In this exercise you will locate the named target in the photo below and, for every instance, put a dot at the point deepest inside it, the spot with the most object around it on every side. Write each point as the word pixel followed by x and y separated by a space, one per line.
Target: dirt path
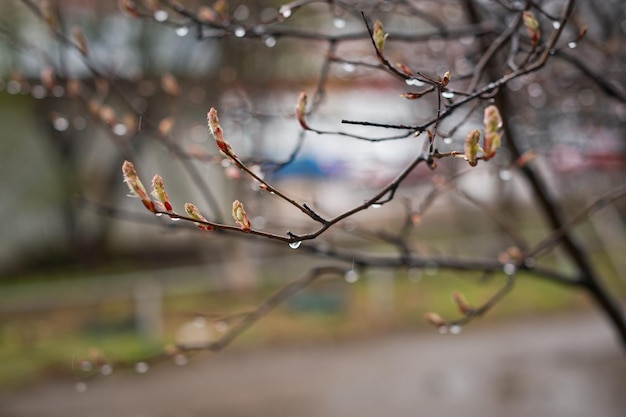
pixel 562 366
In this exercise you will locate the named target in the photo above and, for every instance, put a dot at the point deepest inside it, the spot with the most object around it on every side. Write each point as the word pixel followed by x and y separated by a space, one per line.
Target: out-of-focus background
pixel 86 273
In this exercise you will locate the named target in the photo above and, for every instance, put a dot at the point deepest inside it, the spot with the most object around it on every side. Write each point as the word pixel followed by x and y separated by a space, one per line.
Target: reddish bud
pixel 218 134
pixel 472 147
pixel 165 126
pixel 464 307
pixel 532 27
pixel 404 69
pixel 411 96
pixel 47 77
pixel 301 110
pixel 207 14
pixel 128 7
pixel 221 7
pixel 136 187
pixel 446 79
pixel 193 212
pixel 240 216
pixel 107 114
pixel 158 192
pixel 131 122
pixel 526 158
pixel 492 122
pixel 435 319
pixel 74 87
pixel 96 355
pixel 582 32
pixel 170 85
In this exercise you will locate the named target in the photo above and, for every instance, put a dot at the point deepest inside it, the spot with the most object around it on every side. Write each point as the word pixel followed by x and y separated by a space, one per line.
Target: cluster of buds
pixel 218 133
pixel 492 122
pixel 532 27
pixel 240 216
pixel 193 212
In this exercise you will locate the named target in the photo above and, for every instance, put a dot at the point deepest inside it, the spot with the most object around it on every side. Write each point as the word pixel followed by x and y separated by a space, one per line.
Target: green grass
pixel 51 343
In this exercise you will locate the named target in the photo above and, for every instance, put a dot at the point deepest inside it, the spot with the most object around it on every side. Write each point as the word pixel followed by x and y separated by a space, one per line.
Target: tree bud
pixel 492 122
pixel 472 147
pixel 532 26
pixel 218 134
pixel 158 192
pixel 411 96
pixel 462 304
pixel 379 36
pixel 435 319
pixel 136 187
pixel 193 212
pixel 240 216
pixel 301 110
pixel 81 40
pixel 446 79
pixel 170 85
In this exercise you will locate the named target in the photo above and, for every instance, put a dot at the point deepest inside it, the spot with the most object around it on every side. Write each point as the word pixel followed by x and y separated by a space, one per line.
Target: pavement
pixel 565 365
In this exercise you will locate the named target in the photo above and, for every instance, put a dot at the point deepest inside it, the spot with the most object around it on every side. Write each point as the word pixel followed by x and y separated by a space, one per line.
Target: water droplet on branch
pixel 351 276
pixel 106 369
pixel 339 22
pixel 455 329
pixel 160 15
pixel 142 367
pixel 447 94
pixel 60 123
pixel 269 41
pixel 505 175
pixel 348 67
pixel 80 387
pixel 509 269
pixel 285 12
pixel 414 82
pixel 182 31
pixel 119 129
pixel 180 360
pixel 295 245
